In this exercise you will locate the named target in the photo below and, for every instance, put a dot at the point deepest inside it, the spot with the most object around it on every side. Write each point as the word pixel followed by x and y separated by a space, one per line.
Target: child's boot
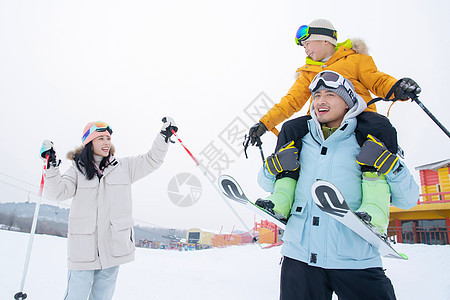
pixel 376 199
pixel 280 202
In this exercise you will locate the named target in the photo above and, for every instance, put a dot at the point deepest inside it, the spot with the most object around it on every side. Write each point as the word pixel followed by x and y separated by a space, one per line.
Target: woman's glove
pixel 47 149
pixel 285 159
pixel 374 153
pixel 168 126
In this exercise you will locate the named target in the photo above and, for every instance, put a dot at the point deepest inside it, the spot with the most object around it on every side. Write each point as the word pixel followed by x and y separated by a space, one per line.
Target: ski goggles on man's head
pixel 304 32
pixel 332 80
pixel 99 127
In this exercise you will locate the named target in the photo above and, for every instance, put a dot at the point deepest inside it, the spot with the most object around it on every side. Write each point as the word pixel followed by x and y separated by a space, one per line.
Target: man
pixel 322 256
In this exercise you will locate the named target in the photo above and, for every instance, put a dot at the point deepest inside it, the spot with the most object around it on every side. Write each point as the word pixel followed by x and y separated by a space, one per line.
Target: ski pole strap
pixel 414 98
pixel 388 95
pixel 245 144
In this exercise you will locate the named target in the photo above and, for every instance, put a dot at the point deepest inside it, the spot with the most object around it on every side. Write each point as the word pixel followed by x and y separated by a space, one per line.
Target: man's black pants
pixel 301 281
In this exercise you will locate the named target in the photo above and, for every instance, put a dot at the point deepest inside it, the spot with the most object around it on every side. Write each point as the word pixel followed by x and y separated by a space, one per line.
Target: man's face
pixel 330 109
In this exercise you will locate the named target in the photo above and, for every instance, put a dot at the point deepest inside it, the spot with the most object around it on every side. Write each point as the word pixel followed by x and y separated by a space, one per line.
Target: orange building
pixel 224 240
pixel 429 221
pixel 268 232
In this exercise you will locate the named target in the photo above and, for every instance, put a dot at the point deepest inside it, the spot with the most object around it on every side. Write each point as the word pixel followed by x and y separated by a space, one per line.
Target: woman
pixel 100 235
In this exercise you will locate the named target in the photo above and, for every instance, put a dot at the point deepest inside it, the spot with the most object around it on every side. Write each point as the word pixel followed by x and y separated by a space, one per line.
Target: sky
pixel 219 273
pixel 207 64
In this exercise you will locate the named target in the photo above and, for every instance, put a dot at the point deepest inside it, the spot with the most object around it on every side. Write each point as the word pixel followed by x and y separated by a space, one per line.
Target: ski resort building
pixel 429 221
pixel 199 237
pixel 267 232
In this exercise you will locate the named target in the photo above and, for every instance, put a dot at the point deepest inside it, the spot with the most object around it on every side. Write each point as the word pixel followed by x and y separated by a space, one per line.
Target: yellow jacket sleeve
pixel 294 101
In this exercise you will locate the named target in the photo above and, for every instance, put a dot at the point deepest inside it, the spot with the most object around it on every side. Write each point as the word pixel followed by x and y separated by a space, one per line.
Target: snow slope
pixel 239 272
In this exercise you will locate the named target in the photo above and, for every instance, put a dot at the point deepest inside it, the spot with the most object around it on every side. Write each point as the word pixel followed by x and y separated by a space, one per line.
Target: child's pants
pixel 95 284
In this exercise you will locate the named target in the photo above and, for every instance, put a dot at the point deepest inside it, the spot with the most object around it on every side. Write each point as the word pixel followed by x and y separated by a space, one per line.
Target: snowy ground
pixel 239 272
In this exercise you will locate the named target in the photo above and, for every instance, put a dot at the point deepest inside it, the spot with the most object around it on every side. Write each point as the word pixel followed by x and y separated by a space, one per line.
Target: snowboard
pixel 232 190
pixel 330 200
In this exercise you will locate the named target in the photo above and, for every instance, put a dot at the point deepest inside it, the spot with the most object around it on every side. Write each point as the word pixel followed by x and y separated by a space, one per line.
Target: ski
pixel 330 200
pixel 233 191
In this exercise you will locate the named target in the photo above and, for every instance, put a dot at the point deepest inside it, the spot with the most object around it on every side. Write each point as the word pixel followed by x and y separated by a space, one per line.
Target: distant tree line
pixel 53 220
pixel 23 224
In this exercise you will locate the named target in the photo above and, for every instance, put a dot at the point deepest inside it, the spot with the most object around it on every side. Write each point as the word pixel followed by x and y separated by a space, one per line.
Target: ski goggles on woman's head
pixel 304 32
pixel 332 80
pixel 99 127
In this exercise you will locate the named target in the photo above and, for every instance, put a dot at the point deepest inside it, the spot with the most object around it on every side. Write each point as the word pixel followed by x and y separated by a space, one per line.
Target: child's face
pixel 101 145
pixel 317 50
pixel 329 108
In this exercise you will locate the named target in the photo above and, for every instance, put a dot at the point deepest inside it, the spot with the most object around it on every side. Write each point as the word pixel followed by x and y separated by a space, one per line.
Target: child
pixel 350 59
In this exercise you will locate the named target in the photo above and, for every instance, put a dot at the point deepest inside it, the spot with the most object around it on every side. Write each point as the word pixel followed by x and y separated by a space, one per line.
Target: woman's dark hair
pixel 86 160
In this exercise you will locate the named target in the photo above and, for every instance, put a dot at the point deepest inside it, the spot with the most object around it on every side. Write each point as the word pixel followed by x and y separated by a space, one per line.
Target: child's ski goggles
pixel 99 127
pixel 331 80
pixel 304 32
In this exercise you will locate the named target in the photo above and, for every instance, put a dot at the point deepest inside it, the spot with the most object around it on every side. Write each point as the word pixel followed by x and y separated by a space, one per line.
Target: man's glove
pixel 47 149
pixel 285 159
pixel 256 131
pixel 374 153
pixel 168 126
pixel 406 89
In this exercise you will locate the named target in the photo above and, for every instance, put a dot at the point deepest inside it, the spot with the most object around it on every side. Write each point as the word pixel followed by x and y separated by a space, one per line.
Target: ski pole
pixel 416 99
pixel 21 295
pixel 258 144
pixel 211 180
pixel 413 98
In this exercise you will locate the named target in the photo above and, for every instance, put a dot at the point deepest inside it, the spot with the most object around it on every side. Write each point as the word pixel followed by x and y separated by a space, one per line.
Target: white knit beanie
pixel 322 23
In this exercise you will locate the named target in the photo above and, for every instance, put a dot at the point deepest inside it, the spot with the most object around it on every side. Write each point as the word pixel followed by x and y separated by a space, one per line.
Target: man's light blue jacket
pixel 327 243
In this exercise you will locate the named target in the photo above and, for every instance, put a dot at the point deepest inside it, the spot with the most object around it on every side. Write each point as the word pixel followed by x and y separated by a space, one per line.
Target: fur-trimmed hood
pixel 358 45
pixel 77 151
